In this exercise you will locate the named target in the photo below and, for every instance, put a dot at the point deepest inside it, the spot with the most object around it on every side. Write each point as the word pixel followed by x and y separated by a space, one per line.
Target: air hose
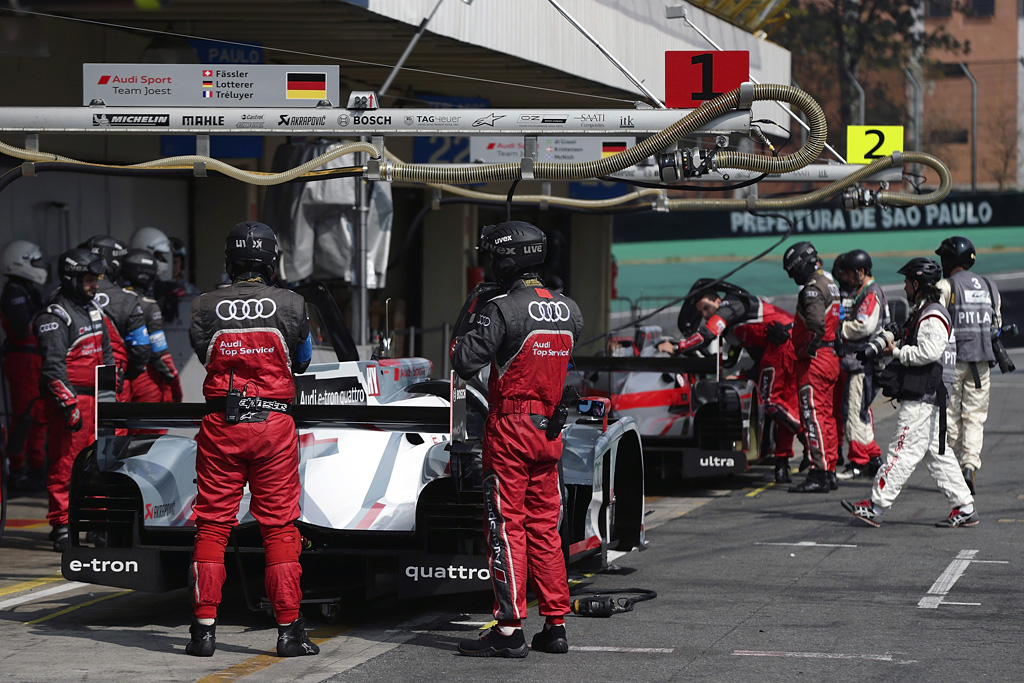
pixel 603 604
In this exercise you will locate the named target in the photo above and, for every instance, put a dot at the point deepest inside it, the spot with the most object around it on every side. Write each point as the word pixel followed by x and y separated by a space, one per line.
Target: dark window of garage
pixel 983 8
pixel 941 8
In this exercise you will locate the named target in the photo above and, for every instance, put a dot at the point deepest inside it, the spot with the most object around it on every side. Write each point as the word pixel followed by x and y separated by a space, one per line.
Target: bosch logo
pixel 102 298
pixel 246 309
pixel 49 327
pixel 549 311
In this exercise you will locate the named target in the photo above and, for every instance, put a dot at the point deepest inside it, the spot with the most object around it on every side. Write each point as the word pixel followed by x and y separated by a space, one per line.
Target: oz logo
pixel 246 309
pixel 549 311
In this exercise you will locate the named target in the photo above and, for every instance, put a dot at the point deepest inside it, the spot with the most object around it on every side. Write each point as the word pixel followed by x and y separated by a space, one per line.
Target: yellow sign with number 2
pixel 864 144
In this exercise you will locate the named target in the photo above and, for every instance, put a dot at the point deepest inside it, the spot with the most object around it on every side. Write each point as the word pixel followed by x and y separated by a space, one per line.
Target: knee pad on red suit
pixel 211 540
pixel 282 544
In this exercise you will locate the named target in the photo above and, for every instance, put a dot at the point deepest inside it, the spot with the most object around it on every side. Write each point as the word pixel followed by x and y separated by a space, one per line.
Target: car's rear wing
pixel 670 364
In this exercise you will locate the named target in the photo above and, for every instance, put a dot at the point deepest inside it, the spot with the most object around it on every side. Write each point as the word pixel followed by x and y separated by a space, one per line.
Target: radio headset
pixel 232 402
pixel 603 604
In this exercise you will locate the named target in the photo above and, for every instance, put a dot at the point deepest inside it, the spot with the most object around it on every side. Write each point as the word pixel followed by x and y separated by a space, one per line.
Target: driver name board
pixel 210 85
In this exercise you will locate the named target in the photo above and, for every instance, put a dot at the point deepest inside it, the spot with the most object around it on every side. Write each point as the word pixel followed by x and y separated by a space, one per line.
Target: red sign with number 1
pixel 691 78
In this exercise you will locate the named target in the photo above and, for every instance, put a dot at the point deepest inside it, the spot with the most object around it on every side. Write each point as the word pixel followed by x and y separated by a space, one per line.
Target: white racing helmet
pixel 21 258
pixel 155 241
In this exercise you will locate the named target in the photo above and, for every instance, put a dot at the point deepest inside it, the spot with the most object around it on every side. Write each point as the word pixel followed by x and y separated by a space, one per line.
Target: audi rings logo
pixel 246 309
pixel 101 298
pixel 48 327
pixel 549 311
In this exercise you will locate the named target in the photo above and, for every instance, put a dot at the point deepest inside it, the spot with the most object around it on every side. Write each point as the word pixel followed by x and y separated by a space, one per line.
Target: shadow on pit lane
pixel 706 487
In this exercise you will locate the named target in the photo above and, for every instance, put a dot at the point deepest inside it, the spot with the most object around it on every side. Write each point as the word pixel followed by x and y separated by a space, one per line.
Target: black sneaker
pixel 816 482
pixel 551 639
pixel 833 483
pixel 61 539
pixel 293 641
pixel 494 644
pixel 969 478
pixel 204 640
pixel 957 518
pixel 782 471
pixel 864 511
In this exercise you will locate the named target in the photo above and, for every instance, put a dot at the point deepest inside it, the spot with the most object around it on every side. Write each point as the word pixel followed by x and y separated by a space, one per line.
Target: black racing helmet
pixel 139 269
pixel 924 270
pixel 955 251
pixel 800 261
pixel 514 247
pixel 250 248
pixel 858 259
pixel 839 265
pixel 111 249
pixel 73 266
pixel 690 319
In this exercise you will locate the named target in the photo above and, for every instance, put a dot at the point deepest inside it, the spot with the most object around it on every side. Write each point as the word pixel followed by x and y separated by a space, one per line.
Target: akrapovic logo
pixel 448 573
pixel 288 120
pixel 128 120
pixel 98 565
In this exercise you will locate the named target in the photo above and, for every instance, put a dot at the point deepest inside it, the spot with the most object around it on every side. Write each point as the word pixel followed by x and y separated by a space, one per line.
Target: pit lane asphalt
pixel 754 584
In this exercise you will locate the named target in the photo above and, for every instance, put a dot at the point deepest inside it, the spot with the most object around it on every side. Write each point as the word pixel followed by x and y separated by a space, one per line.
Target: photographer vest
pixel 948 360
pixel 972 304
pixel 864 297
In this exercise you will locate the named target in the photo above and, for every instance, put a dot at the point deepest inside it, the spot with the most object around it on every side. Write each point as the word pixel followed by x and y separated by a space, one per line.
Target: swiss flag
pixel 207 72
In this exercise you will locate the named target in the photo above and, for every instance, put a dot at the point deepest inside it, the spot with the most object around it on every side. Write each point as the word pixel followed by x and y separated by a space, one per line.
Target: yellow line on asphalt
pixel 29 585
pixel 1011 520
pixel 265 661
pixel 74 607
pixel 757 491
pixel 533 603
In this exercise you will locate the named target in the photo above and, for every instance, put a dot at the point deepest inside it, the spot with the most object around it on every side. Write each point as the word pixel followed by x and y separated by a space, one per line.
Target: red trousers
pixel 816 382
pixel 62 448
pixel 266 456
pixel 146 388
pixel 523 502
pixel 28 410
pixel 777 387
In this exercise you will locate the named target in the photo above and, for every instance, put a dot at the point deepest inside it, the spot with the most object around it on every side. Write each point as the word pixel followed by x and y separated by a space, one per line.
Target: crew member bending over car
pixel 252 337
pixel 817 367
pixel 762 329
pixel 922 373
pixel 527 333
pixel 73 339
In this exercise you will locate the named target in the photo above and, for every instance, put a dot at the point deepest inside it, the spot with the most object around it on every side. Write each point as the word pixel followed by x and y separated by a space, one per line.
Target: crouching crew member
pixel 252 337
pixel 921 372
pixel 817 367
pixel 73 339
pixel 764 330
pixel 526 332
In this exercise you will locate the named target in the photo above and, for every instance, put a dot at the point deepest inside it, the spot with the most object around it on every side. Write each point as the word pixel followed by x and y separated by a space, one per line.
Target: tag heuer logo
pixel 131 120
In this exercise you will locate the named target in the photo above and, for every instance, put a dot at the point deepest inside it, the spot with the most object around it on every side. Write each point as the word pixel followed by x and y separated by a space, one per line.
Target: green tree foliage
pixel 834 41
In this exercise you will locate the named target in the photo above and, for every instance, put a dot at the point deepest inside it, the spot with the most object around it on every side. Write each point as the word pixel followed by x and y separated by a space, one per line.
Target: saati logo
pixel 131 120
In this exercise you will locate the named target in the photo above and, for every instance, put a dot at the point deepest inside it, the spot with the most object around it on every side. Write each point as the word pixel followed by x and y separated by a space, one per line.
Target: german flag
pixel 610 148
pixel 307 86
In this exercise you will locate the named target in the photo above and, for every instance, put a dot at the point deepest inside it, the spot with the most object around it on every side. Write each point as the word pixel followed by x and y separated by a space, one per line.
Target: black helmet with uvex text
pixel 250 251
pixel 514 247
pixel 111 249
pixel 74 265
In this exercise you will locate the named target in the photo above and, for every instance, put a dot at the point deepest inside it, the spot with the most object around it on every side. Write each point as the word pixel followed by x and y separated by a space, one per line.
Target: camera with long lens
pixel 875 346
pixel 1003 359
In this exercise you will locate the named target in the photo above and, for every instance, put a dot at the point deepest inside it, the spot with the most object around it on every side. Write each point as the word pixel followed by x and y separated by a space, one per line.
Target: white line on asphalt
pixel 811 544
pixel 642 650
pixel 13 602
pixel 950 576
pixel 471 623
pixel 821 655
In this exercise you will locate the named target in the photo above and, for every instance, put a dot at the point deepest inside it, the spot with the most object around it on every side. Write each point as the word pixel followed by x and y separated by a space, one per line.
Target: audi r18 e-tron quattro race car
pixel 390 470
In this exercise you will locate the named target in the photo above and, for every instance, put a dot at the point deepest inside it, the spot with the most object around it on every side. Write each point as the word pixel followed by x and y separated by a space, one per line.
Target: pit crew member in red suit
pixel 73 339
pixel 160 381
pixel 526 333
pixel 252 337
pixel 817 367
pixel 763 329
pixel 864 321
pixel 19 304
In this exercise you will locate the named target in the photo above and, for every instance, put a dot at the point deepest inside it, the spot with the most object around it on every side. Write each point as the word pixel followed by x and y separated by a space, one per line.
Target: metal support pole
pixel 360 300
pixel 408 50
pixel 974 127
pixel 860 95
pixel 915 112
pixel 680 13
pixel 625 72
pixel 446 335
